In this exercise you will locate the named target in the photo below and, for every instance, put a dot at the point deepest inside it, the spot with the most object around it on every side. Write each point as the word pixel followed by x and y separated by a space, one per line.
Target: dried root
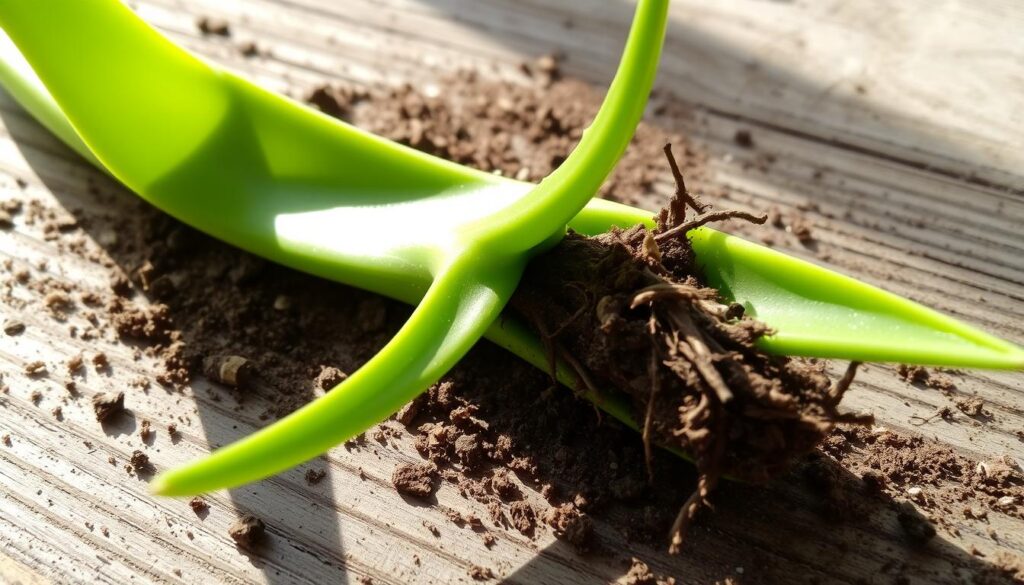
pixel 649 328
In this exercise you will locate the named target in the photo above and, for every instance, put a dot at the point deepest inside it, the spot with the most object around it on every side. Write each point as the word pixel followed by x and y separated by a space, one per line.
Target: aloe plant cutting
pixel 294 186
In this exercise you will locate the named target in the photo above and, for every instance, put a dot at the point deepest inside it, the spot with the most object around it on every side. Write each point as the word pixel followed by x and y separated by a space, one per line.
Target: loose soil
pixel 629 312
pixel 107 404
pixel 416 480
pixel 247 532
pixel 496 429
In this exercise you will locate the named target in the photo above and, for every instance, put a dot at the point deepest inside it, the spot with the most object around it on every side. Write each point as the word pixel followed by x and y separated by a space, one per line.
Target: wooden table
pixel 905 116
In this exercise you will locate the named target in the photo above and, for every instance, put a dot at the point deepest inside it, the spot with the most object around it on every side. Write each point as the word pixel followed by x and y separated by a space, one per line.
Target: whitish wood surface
pixel 911 111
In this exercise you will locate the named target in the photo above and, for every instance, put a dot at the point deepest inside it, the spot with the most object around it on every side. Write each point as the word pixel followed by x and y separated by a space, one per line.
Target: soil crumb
pixel 743 138
pixel 140 463
pixel 329 377
pixel 209 25
pixel 35 368
pixel 641 574
pixel 478 573
pixel 524 519
pixel 100 362
pixel 921 376
pixel 315 476
pixel 146 431
pixel 14 327
pixel 199 506
pixel 107 404
pixel 247 532
pixel 572 526
pixel 938 479
pixel 415 479
pixel 627 311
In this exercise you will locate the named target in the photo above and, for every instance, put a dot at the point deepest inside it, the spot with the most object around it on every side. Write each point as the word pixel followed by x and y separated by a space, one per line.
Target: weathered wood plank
pixel 919 191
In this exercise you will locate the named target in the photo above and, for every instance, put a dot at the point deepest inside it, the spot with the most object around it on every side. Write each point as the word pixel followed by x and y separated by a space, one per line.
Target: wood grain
pixel 901 120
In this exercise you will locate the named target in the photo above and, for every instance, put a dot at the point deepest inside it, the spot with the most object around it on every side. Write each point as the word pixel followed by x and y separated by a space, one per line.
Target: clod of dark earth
pixel 199 506
pixel 329 377
pixel 315 476
pixel 140 463
pixel 107 404
pixel 209 25
pixel 415 479
pixel 35 368
pixel 14 327
pixel 247 532
pixel 628 311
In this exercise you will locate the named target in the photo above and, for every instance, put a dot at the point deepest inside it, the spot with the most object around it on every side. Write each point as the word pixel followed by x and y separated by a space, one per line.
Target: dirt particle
pixel 209 25
pixel 504 486
pixel 469 450
pixel 57 301
pixel 249 49
pixel 641 574
pixel 913 374
pixel 282 303
pixel 75 364
pixel 199 506
pixel 524 519
pixel 315 476
pixel 972 406
pixel 247 532
pixel 743 138
pixel 478 573
pixel 800 227
pixel 1006 502
pixel 146 431
pixel 101 362
pixel 408 413
pixel 921 376
pixel 14 327
pixel 230 370
pixel 416 480
pixel 462 520
pixel 329 377
pixel 120 284
pixel 139 462
pixel 35 368
pixel 107 404
pixel 548 64
pixel 572 526
pixel 334 100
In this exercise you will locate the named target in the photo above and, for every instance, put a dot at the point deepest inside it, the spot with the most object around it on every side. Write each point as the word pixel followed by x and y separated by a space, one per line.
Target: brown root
pixel 689 361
